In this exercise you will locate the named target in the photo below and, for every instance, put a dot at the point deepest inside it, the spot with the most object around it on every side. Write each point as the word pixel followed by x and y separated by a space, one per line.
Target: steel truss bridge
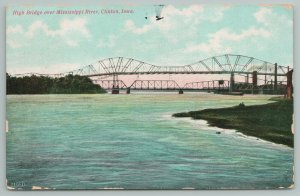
pixel 262 73
pixel 165 85
pixel 224 64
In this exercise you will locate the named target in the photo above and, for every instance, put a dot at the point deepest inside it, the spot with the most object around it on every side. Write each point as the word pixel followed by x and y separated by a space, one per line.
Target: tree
pixel 69 84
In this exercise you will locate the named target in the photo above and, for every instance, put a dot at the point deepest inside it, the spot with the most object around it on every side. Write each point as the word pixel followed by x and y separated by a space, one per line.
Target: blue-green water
pixel 132 142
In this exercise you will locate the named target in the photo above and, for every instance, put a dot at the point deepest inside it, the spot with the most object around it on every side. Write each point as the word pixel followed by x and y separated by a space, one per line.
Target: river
pixel 132 142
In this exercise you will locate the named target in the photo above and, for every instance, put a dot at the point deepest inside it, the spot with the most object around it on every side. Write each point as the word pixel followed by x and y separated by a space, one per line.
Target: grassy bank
pixel 271 122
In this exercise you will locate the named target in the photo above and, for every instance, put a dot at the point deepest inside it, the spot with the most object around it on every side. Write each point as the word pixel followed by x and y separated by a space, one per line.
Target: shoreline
pixel 229 132
pixel 269 122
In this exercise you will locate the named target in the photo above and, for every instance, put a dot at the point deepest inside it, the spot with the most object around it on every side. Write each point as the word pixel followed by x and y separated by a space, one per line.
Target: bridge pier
pixel 128 91
pixel 180 91
pixel 265 79
pixel 254 78
pixel 115 91
pixel 289 87
pixel 231 87
pixel 254 81
pixel 115 88
pixel 275 80
pixel 247 78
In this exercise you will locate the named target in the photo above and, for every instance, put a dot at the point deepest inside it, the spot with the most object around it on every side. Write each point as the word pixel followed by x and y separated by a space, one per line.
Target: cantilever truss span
pixel 224 64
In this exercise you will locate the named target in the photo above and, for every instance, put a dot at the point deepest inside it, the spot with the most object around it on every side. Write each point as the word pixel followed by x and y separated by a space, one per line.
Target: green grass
pixel 271 122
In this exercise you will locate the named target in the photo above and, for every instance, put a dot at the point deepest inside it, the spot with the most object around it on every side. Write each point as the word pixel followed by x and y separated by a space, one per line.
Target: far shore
pixel 271 122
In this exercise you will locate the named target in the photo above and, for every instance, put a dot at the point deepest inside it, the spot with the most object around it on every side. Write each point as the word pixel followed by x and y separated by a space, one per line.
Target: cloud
pixel 71 42
pixel 71 31
pixel 66 26
pixel 78 25
pixel 110 42
pixel 218 15
pixel 216 39
pixel 176 18
pixel 268 18
pixel 261 15
pixel 185 12
pixel 14 29
pixel 281 26
pixel 170 35
pixel 34 27
pixel 56 68
pixel 130 26
pixel 14 43
pixel 12 33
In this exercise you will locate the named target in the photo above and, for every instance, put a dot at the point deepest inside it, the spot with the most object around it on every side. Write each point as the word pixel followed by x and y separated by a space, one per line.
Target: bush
pixel 241 105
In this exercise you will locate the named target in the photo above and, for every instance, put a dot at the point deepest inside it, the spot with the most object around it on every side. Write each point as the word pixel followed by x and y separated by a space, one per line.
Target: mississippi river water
pixel 132 142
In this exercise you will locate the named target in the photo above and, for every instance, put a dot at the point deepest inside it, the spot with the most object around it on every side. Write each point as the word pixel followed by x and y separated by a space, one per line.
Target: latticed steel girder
pixel 162 85
pixel 109 84
pixel 224 64
pixel 212 84
pixel 154 85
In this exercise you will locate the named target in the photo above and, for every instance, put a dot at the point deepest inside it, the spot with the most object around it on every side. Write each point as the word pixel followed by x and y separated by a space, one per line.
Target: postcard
pixel 149 97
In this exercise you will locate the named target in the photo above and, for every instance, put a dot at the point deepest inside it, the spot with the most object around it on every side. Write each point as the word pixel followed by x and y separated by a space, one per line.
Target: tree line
pixel 70 84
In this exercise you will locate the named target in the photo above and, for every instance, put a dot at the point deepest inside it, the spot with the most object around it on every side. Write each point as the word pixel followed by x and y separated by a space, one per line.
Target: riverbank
pixel 271 122
pixel 69 84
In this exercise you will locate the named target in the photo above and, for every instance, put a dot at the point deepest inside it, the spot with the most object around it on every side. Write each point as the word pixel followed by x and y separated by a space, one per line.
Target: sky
pixel 55 43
